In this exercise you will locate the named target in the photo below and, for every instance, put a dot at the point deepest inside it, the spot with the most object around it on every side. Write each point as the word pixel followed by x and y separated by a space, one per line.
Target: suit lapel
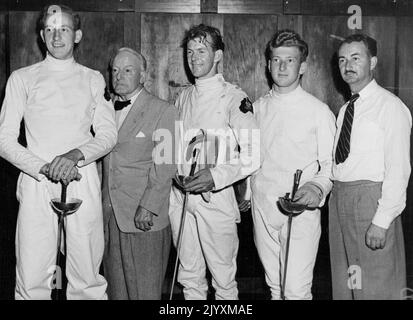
pixel 135 118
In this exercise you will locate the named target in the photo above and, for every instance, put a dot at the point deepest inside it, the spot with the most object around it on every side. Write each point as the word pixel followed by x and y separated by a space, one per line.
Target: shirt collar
pixel 58 64
pixel 210 83
pixel 293 93
pixel 369 89
pixel 133 98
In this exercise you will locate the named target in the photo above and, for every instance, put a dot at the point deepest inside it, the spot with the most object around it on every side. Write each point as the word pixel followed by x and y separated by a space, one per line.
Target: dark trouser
pixel 135 263
pixel 357 271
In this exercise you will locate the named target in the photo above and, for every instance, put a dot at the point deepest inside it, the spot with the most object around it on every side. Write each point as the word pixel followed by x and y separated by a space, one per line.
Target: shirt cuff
pixel 382 220
pixel 84 161
pixel 37 175
pixel 215 175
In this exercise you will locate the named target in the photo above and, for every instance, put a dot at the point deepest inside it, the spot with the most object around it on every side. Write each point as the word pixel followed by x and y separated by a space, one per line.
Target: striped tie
pixel 343 145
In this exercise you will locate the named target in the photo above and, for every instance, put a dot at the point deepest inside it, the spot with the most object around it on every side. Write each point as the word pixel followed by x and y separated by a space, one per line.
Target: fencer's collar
pixel 293 93
pixel 58 64
pixel 213 82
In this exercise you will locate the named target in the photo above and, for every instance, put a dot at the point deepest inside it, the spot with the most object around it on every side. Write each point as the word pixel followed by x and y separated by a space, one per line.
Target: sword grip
pixel 64 192
pixel 297 177
pixel 194 162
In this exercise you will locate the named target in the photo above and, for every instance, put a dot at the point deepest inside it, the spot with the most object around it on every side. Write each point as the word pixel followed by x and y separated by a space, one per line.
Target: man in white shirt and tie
pixel 370 172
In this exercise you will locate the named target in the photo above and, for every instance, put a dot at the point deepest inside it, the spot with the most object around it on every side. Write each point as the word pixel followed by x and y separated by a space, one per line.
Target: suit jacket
pixel 132 175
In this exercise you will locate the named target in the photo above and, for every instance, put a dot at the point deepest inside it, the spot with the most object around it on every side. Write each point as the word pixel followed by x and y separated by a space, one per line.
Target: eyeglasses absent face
pixel 286 67
pixel 59 35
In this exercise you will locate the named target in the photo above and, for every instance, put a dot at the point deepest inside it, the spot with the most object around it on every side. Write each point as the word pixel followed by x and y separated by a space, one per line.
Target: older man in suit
pixel 137 178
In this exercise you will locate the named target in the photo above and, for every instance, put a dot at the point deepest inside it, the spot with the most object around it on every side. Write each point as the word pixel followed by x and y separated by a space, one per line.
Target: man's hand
pixel 143 219
pixel 376 237
pixel 201 181
pixel 244 205
pixel 45 169
pixel 309 195
pixel 61 166
pixel 73 175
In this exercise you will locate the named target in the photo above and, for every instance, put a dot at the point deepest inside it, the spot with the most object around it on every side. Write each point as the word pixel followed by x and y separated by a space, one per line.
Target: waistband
pixel 357 183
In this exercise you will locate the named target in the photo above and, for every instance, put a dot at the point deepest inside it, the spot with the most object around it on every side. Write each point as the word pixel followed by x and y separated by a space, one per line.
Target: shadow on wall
pixel 340 85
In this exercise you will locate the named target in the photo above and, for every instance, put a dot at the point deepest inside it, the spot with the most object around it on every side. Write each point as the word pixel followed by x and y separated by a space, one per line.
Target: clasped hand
pixel 308 195
pixel 200 182
pixel 63 167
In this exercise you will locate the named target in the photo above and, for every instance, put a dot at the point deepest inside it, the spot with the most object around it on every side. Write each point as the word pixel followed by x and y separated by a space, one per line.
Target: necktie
pixel 343 145
pixel 119 105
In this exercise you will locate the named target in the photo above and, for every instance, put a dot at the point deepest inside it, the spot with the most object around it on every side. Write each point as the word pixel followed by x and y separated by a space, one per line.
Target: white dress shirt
pixel 121 114
pixel 379 148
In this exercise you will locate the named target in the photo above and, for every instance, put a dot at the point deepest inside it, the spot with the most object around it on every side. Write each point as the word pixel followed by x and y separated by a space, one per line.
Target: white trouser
pixel 209 239
pixel 271 246
pixel 36 239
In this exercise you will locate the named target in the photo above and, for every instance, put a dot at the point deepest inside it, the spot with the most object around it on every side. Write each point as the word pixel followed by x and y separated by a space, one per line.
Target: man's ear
pixel 78 36
pixel 142 78
pixel 218 55
pixel 303 67
pixel 42 35
pixel 373 63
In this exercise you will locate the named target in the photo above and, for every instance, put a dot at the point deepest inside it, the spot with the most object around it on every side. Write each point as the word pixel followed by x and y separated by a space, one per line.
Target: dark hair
pixel 369 42
pixel 48 10
pixel 287 38
pixel 201 32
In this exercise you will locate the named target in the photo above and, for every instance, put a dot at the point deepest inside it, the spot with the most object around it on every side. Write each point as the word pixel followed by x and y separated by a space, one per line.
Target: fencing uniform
pixel 297 132
pixel 59 100
pixel 370 187
pixel 210 232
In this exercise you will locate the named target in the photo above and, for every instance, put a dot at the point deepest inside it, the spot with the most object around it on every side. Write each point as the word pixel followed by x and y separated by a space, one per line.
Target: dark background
pixel 156 29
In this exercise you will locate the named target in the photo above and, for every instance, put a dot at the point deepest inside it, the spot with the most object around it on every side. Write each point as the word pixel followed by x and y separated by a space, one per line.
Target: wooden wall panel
pixel 292 22
pixel 171 6
pixel 78 5
pixel 340 7
pixel 405 60
pixel 132 30
pixel 103 34
pixel 245 38
pixel 8 179
pixel 322 78
pixel 405 88
pixel 323 37
pixel 24 47
pixel 3 53
pixel 161 39
pixel 383 29
pixel 250 6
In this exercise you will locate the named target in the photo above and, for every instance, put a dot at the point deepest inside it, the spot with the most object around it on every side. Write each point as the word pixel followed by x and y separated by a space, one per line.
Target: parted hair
pixel 201 32
pixel 287 38
pixel 368 41
pixel 52 9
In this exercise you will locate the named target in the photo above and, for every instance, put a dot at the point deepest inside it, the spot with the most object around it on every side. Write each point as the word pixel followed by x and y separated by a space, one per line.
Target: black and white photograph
pixel 224 151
